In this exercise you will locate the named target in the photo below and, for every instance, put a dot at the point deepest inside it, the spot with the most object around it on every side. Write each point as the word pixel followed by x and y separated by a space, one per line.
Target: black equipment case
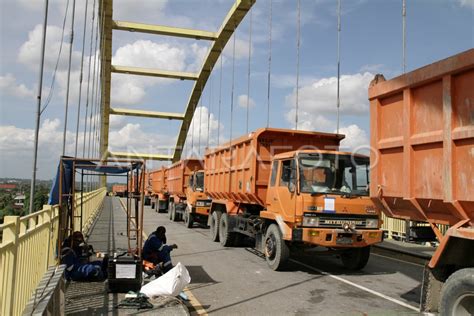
pixel 124 274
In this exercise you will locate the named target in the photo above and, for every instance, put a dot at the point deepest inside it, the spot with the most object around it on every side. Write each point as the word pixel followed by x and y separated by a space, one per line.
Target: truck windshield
pixel 335 174
pixel 199 181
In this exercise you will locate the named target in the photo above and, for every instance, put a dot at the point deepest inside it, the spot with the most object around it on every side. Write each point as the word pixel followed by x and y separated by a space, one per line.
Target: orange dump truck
pixel 159 190
pixel 292 189
pixel 119 189
pixel 422 140
pixel 133 187
pixel 187 199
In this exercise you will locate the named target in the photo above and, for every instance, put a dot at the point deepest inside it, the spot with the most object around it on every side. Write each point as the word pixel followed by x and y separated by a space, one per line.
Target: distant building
pixel 19 201
pixel 7 186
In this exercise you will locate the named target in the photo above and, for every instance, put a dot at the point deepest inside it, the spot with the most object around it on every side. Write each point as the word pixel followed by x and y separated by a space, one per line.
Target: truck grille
pixel 338 220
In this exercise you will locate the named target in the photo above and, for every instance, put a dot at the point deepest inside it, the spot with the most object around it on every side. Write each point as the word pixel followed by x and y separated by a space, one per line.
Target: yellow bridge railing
pixel 396 228
pixel 28 248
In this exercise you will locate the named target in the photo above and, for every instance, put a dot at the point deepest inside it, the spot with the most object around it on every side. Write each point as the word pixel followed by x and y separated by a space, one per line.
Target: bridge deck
pixel 108 235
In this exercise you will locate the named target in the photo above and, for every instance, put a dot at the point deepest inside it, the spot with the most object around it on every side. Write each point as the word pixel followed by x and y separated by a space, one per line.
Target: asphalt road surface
pixel 231 281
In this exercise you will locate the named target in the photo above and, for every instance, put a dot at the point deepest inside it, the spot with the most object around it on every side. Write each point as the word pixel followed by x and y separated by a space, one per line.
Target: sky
pixel 371 43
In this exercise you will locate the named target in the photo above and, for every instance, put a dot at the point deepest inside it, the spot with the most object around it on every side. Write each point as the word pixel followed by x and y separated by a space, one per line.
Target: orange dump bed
pixel 158 180
pixel 422 136
pixel 179 173
pixel 239 171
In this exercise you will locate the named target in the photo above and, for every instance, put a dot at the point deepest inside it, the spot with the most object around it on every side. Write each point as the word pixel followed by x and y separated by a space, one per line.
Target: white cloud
pixel 243 98
pixel 356 138
pixel 320 96
pixel 466 3
pixel 145 53
pixel 116 122
pixel 8 85
pixel 132 138
pixel 29 53
pixel 241 48
pixel 199 126
pixel 16 146
pixel 130 90
pixel 310 121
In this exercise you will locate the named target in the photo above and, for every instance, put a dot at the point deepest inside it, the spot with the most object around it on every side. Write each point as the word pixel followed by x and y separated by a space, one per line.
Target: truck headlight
pixel 310 221
pixel 372 223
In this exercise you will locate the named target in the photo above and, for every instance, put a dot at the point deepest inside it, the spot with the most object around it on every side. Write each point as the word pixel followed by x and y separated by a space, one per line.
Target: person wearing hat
pixel 157 251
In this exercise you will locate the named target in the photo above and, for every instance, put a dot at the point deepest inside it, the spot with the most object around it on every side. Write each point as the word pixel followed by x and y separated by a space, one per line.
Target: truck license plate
pixel 344 240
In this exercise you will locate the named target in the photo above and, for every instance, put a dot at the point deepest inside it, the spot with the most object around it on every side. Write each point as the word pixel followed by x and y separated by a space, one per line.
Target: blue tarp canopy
pixel 84 165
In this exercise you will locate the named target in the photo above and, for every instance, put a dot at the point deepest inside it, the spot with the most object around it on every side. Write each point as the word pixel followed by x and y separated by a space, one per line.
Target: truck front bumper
pixel 337 238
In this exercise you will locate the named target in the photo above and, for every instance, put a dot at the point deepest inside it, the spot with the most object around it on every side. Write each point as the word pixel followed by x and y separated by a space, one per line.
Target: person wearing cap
pixel 157 251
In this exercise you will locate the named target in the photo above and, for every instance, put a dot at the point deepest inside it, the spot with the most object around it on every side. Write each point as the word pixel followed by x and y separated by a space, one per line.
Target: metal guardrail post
pixel 10 235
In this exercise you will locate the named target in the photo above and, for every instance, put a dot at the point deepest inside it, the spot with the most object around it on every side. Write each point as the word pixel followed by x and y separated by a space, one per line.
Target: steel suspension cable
pixel 88 81
pixel 100 85
pixel 69 74
pixel 248 73
pixel 298 35
pixel 269 60
pixel 209 110
pixel 404 18
pixel 53 80
pixel 200 121
pixel 90 150
pixel 80 77
pixel 38 109
pixel 220 103
pixel 232 88
pixel 338 62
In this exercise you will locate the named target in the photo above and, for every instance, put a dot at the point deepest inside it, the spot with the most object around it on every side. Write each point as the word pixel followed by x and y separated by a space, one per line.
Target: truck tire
pixel 356 258
pixel 174 215
pixel 276 249
pixel 188 218
pixel 226 238
pixel 214 225
pixel 457 294
pixel 170 213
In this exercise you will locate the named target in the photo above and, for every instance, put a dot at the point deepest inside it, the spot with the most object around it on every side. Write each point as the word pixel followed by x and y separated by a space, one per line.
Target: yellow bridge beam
pixel 235 15
pixel 149 114
pixel 154 73
pixel 140 156
pixel 163 30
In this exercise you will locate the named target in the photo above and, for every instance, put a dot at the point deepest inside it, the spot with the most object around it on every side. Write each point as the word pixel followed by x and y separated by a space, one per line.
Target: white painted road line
pixel 395 259
pixel 363 288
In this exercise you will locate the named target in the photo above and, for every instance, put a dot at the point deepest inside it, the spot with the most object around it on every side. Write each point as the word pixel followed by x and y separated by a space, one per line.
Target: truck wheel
pixel 356 258
pixel 174 215
pixel 188 218
pixel 170 213
pixel 276 249
pixel 214 225
pixel 457 295
pixel 226 238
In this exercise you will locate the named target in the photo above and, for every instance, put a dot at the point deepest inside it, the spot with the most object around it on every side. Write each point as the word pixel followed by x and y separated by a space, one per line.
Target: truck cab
pixel 198 203
pixel 321 198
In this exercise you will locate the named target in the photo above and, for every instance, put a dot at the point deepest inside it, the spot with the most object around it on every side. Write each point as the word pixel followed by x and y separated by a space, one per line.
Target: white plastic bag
pixel 171 283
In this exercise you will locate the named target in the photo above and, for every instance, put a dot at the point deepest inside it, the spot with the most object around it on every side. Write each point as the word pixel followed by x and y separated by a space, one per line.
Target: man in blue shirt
pixel 156 251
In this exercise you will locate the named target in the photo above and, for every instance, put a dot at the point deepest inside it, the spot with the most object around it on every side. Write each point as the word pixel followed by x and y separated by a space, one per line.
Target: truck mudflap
pixel 337 238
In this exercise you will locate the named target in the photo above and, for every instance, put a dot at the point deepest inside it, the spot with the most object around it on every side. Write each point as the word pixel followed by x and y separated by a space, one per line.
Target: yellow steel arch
pixel 220 39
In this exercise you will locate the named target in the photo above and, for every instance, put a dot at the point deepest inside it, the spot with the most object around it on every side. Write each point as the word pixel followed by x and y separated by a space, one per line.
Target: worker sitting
pixel 77 243
pixel 156 251
pixel 79 271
